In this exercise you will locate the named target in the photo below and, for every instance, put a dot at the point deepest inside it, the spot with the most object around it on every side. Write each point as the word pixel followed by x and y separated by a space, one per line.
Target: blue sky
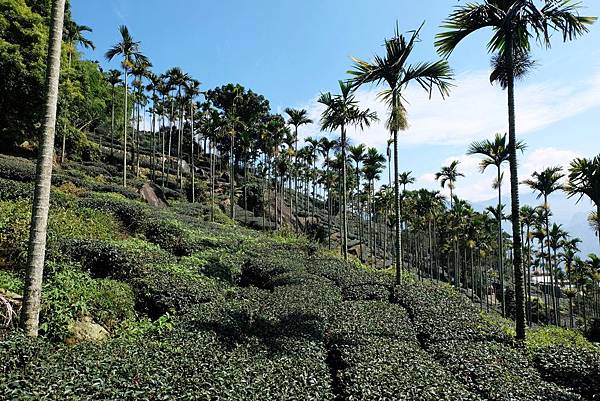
pixel 290 51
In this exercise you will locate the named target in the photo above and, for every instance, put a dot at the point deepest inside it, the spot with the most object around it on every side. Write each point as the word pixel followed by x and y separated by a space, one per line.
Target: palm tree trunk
pixel 398 242
pixel 514 183
pixel 41 198
pixel 212 181
pixel 501 245
pixel 344 198
pixel 528 272
pixel 550 265
pixel 125 132
pixel 137 141
pixel 153 160
pixel 192 162
pixel 180 148
pixel 232 180
pixel 112 124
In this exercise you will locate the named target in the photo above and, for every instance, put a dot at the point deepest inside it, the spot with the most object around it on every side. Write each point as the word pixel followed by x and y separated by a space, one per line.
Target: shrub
pixel 11 281
pixel 573 367
pixel 132 215
pixel 359 319
pixel 14 232
pixel 169 289
pixel 169 234
pixel 497 372
pixel 16 168
pixel 114 259
pixel 15 190
pixel 385 369
pixel 440 313
pixel 217 263
pixel 260 269
pixel 70 294
pixel 15 218
pixel 356 284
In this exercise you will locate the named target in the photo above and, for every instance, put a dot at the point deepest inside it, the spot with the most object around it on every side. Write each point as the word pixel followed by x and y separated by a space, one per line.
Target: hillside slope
pixel 197 310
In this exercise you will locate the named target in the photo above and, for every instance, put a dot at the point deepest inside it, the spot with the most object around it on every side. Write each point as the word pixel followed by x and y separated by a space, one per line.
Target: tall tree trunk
pixel 550 264
pixel 112 123
pixel 193 163
pixel 344 198
pixel 153 161
pixel 41 197
pixel 398 242
pixel 232 180
pixel 125 131
pixel 137 140
pixel 501 245
pixel 212 182
pixel 514 183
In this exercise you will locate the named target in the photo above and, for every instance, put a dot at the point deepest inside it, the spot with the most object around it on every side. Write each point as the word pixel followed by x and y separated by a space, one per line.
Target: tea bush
pixel 167 289
pixel 440 313
pixel 571 367
pixel 386 369
pixel 16 168
pixel 70 294
pixel 15 190
pixel 497 372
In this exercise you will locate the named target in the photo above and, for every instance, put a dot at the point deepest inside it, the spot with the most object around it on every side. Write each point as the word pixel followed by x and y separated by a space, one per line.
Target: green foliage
pixel 15 190
pixel 70 294
pixel 496 371
pixel 23 42
pixel 132 215
pixel 11 281
pixel 542 337
pixel 16 168
pixel 63 224
pixel 121 260
pixel 572 367
pixel 171 288
pixel 446 315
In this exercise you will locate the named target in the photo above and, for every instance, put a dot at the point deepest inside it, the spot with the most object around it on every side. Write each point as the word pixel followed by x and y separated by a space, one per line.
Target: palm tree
pixel 178 80
pixel 41 198
pixel 495 153
pixel 342 111
pixel 372 168
pixel 73 35
pixel 405 179
pixel 514 24
pixel 357 155
pixel 326 146
pixel 139 70
pixel 545 183
pixel 584 179
pixel 153 86
pixel 113 78
pixel 449 175
pixel 528 219
pixel 130 51
pixel 192 89
pixel 394 70
pixel 297 118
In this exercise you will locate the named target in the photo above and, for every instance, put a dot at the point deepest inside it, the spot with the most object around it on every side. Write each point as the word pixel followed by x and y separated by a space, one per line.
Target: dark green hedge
pixel 497 372
pixel 578 369
pixel 440 313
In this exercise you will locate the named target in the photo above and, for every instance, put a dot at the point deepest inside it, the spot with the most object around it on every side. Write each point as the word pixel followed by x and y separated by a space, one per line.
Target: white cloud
pixel 477 187
pixel 474 110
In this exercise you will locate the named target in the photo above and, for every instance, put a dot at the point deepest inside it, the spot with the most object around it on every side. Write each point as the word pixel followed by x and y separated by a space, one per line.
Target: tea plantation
pixel 214 311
